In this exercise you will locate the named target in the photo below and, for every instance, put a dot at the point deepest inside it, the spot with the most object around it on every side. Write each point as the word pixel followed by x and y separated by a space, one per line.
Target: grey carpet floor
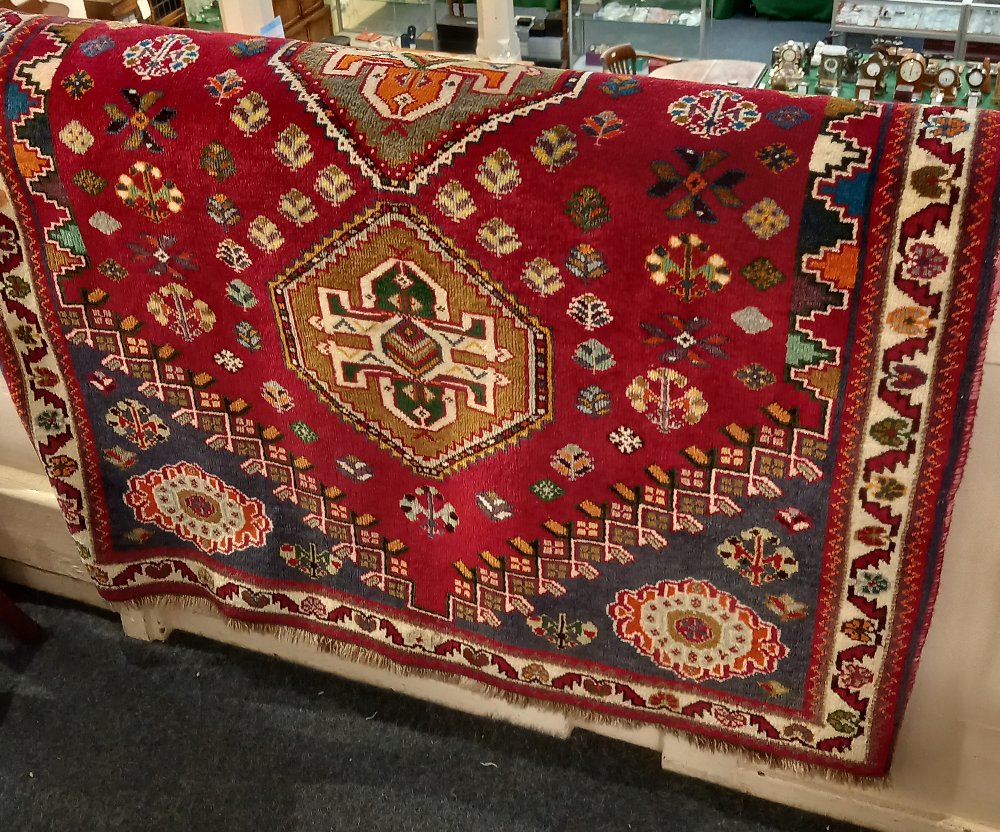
pixel 99 732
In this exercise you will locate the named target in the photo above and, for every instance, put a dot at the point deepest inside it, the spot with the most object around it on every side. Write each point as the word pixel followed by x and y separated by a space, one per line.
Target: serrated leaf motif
pixel 594 401
pixel 265 235
pixel 242 295
pixel 497 236
pixel 587 208
pixel 250 113
pixel 499 173
pixel 217 162
pixel 555 148
pixel 604 125
pixel 454 201
pixel 593 355
pixel 233 255
pixel 572 462
pixel 619 86
pixel 249 47
pixel 334 185
pixel 296 207
pixel 355 468
pixel 225 85
pixel 248 337
pixel 586 262
pixel 494 506
pixel 277 396
pixel 223 210
pixel 590 312
pixel 121 457
pixel 292 148
pixel 542 276
pixel 786 607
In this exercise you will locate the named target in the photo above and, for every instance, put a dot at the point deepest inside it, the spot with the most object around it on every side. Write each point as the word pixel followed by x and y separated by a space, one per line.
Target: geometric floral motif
pixel 187 501
pixel 135 421
pixel 144 188
pixel 696 630
pixel 143 123
pixel 686 268
pixel 561 632
pixel 694 183
pixel 667 399
pixel 174 306
pixel 714 113
pixel 758 556
pixel 153 57
pixel 766 219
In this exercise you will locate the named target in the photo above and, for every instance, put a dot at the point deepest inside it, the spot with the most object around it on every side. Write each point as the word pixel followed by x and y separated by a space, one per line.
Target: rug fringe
pixel 578 717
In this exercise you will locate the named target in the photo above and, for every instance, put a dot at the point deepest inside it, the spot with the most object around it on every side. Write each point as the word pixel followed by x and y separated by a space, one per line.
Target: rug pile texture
pixel 633 398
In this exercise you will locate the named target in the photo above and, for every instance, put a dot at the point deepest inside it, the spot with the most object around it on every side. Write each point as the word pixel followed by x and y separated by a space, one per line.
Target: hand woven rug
pixel 634 398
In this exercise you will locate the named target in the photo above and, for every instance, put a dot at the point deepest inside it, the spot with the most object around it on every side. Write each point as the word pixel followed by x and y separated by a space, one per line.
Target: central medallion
pixel 408 341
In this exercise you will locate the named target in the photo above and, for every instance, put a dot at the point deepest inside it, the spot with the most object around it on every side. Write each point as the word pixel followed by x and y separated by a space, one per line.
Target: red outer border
pixel 960 355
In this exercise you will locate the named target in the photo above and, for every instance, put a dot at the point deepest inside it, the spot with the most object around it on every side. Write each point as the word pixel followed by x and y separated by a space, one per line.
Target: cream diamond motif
pixel 751 320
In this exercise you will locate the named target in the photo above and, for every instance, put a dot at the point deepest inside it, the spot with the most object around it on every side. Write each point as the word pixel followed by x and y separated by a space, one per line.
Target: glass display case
pixel 391 18
pixel 959 21
pixel 984 23
pixel 451 26
pixel 679 28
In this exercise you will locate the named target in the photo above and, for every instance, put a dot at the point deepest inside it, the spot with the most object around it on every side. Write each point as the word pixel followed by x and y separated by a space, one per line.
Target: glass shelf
pixel 984 23
pixel 907 18
pixel 616 12
pixel 665 27
pixel 950 20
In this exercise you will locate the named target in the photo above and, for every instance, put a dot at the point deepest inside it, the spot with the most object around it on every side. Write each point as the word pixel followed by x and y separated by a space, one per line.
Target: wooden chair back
pixel 620 59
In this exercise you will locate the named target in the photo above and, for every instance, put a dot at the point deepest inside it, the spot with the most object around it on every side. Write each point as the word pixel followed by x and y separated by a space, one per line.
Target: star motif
pixel 680 337
pixel 695 184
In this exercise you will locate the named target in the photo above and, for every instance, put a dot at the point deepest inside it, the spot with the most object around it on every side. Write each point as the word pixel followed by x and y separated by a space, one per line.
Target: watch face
pixel 830 64
pixel 873 69
pixel 910 71
pixel 790 55
pixel 947 77
pixel 976 77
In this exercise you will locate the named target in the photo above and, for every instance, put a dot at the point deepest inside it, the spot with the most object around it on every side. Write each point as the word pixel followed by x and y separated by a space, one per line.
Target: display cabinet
pixel 665 27
pixel 984 23
pixel 957 21
pixel 390 18
pixel 304 19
